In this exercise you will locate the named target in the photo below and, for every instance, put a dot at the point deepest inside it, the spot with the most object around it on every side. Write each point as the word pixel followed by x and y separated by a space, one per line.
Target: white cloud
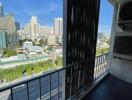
pixel 32 12
pixel 51 8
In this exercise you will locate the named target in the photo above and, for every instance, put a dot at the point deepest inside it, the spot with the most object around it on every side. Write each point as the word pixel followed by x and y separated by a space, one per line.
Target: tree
pixel 9 52
pixel 58 62
pixel 42 42
pixel 20 42
pixel 29 69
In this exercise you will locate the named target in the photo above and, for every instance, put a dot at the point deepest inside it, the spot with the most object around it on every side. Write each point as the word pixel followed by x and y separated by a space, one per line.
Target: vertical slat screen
pixel 81 19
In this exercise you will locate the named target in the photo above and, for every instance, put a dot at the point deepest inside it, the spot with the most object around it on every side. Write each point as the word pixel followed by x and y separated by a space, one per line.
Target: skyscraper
pixel 45 31
pixel 32 29
pixel 17 26
pixel 1 10
pixel 2 40
pixel 10 24
pixel 7 25
pixel 58 26
pixel 35 27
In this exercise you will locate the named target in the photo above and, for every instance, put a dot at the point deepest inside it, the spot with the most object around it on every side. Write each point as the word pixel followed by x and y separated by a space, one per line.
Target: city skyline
pixel 47 10
pixel 34 30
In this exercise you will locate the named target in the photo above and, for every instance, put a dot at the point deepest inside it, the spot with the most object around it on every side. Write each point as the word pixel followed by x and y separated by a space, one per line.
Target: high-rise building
pixel 45 31
pixel 17 26
pixel 32 29
pixel 27 31
pixel 8 26
pixel 1 10
pixel 12 36
pixel 35 27
pixel 2 40
pixel 3 23
pixel 58 26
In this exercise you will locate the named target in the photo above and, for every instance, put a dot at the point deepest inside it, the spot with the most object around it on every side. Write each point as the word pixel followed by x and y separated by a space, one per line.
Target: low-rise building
pixel 33 50
pixel 29 49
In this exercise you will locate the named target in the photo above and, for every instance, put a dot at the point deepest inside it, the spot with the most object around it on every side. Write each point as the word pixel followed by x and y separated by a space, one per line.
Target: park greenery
pixel 101 51
pixel 42 42
pixel 58 62
pixel 9 52
pixel 29 69
pixel 34 68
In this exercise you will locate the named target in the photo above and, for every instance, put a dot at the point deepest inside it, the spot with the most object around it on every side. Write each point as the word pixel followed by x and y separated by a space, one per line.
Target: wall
pixel 120 68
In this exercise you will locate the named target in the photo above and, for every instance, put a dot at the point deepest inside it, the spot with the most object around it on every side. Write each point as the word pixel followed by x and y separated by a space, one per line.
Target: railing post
pixel 64 48
pixel 27 91
pixel 11 94
pixel 40 87
pixel 50 86
pixel 58 84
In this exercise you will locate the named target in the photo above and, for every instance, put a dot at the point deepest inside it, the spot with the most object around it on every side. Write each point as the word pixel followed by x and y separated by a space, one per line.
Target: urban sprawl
pixel 33 43
pixel 33 48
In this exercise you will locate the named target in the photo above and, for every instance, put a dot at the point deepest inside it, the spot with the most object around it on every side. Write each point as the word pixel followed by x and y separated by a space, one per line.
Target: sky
pixel 47 10
pixel 106 16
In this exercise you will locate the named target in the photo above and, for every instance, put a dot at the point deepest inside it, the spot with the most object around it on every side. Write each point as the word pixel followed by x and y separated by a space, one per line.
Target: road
pixel 12 64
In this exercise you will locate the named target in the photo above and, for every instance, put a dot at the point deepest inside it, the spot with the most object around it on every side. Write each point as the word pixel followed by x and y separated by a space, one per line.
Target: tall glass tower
pixel 1 10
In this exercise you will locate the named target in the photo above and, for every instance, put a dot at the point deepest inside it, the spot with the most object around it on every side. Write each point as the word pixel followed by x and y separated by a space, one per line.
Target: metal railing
pixel 101 65
pixel 50 85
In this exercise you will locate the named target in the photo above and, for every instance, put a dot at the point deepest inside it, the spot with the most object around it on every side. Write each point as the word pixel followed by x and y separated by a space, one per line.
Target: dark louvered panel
pixel 82 25
pixel 125 13
pixel 125 16
pixel 123 45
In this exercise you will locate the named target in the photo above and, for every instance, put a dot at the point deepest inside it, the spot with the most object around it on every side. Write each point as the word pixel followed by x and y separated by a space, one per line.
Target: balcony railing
pixel 51 85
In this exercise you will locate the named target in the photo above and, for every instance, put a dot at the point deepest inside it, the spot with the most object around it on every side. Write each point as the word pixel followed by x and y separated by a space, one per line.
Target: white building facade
pixel 58 26
pixel 33 30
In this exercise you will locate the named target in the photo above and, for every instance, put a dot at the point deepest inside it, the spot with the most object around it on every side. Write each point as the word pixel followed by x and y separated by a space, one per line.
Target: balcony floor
pixel 111 88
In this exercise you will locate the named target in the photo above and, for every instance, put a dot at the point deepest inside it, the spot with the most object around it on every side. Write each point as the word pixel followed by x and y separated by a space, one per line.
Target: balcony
pixel 85 77
pixel 52 85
